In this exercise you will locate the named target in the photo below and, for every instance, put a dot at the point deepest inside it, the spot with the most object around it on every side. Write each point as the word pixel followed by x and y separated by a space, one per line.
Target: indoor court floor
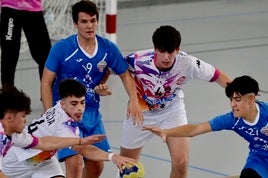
pixel 230 34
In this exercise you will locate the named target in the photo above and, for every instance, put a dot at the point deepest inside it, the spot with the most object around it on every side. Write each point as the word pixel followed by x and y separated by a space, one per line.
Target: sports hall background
pixel 230 34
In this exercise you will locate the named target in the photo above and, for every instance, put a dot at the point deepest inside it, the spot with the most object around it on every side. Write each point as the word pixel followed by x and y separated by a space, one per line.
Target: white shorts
pixel 23 169
pixel 132 135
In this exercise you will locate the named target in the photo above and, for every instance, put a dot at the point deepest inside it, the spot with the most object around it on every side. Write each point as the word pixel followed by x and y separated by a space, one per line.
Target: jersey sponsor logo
pixel 146 62
pixel 50 116
pixel 264 130
pixel 198 63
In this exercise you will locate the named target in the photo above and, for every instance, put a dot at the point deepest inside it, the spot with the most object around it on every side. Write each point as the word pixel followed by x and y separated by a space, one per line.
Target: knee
pixel 94 167
pixel 180 165
pixel 74 163
pixel 249 173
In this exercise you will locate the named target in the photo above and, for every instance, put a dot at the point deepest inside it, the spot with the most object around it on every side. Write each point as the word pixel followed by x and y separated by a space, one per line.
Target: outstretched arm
pixel 188 130
pixel 93 153
pixel 223 79
pixel 54 143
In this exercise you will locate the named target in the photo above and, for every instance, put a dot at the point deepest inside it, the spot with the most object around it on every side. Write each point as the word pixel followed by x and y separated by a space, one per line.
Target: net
pixel 57 14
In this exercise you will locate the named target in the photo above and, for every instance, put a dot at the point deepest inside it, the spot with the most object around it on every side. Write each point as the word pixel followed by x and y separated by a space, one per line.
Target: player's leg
pixel 73 162
pixel 10 44
pixel 92 124
pixel 179 153
pixel 178 147
pixel 89 172
pixel 37 37
pixel 133 138
pixel 131 153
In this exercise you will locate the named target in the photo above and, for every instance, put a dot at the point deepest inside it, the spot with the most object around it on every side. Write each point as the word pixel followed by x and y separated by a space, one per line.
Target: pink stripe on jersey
pixel 26 5
pixel 34 142
pixel 216 75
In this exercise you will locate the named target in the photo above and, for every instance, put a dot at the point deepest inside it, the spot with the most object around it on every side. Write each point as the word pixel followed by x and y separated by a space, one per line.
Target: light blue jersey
pixel 255 133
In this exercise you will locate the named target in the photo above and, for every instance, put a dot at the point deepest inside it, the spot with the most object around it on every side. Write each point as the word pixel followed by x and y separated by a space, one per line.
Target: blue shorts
pixel 90 124
pixel 258 162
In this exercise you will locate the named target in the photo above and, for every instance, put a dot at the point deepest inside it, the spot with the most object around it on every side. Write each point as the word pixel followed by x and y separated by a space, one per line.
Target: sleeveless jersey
pixel 159 89
pixel 68 60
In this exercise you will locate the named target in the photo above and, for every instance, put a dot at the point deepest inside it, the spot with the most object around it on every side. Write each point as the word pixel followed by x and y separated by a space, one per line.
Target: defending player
pixel 14 106
pixel 248 118
pixel 86 57
pixel 60 120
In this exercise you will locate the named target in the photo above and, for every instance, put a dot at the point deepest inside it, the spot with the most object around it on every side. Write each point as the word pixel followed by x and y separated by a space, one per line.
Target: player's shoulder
pixel 67 42
pixel 52 116
pixel 141 54
pixel 262 105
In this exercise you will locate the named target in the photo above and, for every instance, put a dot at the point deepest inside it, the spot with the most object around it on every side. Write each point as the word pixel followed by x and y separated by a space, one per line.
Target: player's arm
pixel 133 107
pixel 188 130
pixel 46 88
pixel 53 143
pixel 223 79
pixel 102 89
pixel 95 154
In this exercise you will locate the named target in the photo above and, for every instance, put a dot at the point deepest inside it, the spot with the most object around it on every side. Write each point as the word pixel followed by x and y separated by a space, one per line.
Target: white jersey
pixel 160 92
pixel 54 122
pixel 23 139
pixel 159 89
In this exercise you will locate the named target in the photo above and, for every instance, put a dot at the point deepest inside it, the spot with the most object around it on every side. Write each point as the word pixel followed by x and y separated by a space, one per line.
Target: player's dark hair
pixel 85 6
pixel 242 85
pixel 71 87
pixel 13 100
pixel 166 39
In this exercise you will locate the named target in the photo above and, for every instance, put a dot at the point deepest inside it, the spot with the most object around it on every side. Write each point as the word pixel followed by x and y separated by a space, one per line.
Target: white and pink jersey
pixel 23 139
pixel 54 122
pixel 25 5
pixel 159 89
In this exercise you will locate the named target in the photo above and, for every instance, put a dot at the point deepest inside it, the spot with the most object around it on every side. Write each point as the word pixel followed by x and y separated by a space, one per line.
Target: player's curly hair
pixel 13 100
pixel 166 39
pixel 71 87
pixel 242 85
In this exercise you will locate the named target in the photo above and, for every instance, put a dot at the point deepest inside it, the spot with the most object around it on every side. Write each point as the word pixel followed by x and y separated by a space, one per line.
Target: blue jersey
pixel 255 133
pixel 68 60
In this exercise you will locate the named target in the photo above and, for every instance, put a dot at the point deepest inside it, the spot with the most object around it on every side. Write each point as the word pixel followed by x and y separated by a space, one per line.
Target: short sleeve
pixel 24 140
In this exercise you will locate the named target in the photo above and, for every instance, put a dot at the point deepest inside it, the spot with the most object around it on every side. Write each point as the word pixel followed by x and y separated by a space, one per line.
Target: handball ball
pixel 135 171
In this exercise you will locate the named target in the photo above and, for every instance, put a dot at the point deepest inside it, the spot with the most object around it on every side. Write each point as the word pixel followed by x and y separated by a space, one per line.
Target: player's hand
pixel 121 161
pixel 102 90
pixel 135 112
pixel 156 131
pixel 92 139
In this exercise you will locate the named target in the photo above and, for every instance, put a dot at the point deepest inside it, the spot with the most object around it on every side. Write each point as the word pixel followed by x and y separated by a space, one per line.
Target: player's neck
pixel 252 115
pixel 88 45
